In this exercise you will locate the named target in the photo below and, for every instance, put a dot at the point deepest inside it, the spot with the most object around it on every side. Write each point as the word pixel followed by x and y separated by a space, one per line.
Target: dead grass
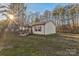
pixel 37 45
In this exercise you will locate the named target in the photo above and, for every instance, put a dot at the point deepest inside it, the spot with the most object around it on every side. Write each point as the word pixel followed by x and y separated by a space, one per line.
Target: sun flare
pixel 11 17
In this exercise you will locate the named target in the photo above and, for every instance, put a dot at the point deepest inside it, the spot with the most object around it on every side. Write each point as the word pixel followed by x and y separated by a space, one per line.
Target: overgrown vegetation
pixel 39 45
pixel 66 18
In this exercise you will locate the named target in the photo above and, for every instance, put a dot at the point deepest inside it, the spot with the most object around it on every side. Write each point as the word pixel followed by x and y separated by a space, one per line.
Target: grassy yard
pixel 38 45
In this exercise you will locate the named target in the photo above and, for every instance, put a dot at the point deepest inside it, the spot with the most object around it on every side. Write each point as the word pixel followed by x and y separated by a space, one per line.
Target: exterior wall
pixel 38 32
pixel 50 28
pixel 46 29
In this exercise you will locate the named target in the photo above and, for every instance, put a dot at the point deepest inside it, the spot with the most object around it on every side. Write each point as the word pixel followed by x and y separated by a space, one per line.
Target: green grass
pixel 38 45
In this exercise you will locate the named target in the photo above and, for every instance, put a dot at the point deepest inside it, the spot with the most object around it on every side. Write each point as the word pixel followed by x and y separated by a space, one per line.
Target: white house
pixel 44 28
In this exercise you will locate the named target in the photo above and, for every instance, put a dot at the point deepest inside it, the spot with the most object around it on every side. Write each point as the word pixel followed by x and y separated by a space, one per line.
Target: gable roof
pixel 42 23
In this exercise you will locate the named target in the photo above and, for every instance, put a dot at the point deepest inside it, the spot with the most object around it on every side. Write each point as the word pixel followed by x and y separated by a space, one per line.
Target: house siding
pixel 50 28
pixel 38 32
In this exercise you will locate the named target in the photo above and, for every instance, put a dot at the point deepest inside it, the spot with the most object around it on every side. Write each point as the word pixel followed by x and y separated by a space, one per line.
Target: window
pixel 37 28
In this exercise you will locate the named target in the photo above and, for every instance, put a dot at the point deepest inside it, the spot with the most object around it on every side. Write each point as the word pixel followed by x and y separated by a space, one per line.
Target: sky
pixel 41 7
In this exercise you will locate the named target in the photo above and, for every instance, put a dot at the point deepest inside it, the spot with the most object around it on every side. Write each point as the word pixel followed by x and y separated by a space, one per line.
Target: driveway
pixel 70 35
